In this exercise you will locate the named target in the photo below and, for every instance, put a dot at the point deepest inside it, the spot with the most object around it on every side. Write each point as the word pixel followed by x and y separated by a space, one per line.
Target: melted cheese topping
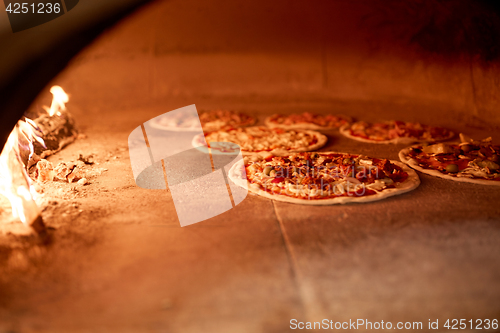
pixel 470 160
pixel 321 176
pixel 398 129
pixel 255 139
pixel 309 118
pixel 221 118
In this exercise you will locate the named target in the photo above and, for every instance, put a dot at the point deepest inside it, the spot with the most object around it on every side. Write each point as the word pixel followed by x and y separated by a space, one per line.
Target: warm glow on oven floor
pixel 115 259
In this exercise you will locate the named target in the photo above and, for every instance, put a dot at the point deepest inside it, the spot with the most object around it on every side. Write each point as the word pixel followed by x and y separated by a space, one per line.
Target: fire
pixel 15 183
pixel 58 101
pixel 29 131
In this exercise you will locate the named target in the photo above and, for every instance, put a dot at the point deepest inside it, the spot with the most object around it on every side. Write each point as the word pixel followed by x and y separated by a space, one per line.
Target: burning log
pixel 58 132
pixel 29 142
pixel 56 125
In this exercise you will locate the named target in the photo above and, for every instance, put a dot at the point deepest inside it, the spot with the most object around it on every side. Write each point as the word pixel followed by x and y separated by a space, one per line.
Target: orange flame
pixel 58 101
pixel 15 183
pixel 29 131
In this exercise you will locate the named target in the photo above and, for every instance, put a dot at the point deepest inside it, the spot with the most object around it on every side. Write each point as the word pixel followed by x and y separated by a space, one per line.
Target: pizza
pixel 324 178
pixel 468 161
pixel 216 119
pixel 211 120
pixel 260 140
pixel 307 120
pixel 395 131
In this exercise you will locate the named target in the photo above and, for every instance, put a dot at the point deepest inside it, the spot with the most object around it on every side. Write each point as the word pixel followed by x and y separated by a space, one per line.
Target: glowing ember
pixel 58 101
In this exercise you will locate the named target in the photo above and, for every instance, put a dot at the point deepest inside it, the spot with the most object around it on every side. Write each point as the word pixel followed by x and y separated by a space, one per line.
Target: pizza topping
pixel 471 159
pixel 395 129
pixel 452 168
pixel 221 118
pixel 330 121
pixel 486 164
pixel 260 139
pixel 323 175
pixel 210 120
pixel 380 184
pixel 267 170
pixel 439 148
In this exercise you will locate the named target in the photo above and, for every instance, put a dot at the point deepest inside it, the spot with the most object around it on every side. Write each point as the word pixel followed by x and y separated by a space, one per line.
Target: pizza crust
pixel 344 130
pixel 305 126
pixel 404 156
pixel 199 143
pixel 412 182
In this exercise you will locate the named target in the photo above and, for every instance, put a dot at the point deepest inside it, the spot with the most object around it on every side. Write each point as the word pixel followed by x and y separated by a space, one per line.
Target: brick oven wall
pixel 322 50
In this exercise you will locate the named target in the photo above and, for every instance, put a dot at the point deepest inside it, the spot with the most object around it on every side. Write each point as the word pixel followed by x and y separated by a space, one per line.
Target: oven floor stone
pixel 118 260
